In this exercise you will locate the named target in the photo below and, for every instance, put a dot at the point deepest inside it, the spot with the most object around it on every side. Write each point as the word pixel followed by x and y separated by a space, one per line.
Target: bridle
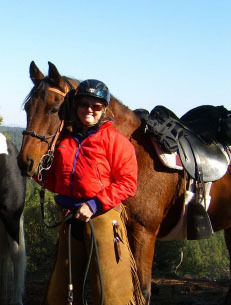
pixel 35 134
pixel 46 160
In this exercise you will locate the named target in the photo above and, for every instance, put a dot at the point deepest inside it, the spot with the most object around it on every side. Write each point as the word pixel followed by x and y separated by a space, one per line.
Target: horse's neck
pixel 124 119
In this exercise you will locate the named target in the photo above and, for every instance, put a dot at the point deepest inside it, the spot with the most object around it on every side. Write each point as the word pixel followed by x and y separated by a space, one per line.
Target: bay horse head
pixel 42 105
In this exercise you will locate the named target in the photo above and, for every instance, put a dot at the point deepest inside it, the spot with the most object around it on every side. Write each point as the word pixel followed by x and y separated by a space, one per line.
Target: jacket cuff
pixel 94 205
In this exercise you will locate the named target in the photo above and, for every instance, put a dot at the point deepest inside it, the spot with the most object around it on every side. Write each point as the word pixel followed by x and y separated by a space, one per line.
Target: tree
pixel 203 258
pixel 40 241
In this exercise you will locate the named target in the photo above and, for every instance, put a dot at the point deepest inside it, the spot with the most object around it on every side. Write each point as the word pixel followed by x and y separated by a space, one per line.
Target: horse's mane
pixel 120 109
pixel 125 120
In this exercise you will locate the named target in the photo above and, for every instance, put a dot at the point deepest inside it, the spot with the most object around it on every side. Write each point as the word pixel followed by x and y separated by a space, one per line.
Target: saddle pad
pixel 170 160
pixel 194 154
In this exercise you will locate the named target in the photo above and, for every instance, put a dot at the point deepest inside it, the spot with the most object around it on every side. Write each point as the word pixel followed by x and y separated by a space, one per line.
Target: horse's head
pixel 42 105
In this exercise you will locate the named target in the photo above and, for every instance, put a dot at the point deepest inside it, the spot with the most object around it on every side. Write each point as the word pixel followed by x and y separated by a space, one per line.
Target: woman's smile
pixel 89 110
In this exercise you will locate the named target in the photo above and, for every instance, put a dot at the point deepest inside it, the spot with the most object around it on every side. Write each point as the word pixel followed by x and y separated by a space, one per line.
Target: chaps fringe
pixel 138 298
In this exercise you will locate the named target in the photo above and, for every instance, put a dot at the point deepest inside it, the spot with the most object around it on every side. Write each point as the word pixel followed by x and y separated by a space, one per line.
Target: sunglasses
pixel 94 107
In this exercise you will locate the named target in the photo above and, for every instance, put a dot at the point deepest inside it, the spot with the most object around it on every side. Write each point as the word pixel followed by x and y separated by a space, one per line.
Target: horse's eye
pixel 54 110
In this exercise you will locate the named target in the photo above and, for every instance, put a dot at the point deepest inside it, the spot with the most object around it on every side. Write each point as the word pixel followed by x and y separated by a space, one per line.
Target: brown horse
pixel 157 205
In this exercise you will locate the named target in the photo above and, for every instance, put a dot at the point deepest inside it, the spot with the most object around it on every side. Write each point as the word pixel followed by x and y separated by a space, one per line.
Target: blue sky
pixel 174 53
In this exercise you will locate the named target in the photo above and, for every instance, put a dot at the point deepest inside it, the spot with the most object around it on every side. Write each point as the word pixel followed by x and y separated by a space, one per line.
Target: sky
pixel 174 53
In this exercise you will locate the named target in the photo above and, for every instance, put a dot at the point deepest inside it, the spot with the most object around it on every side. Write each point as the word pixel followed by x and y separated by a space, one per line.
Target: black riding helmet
pixel 95 88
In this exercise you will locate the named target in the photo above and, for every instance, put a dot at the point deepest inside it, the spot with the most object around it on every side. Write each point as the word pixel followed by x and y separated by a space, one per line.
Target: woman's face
pixel 89 110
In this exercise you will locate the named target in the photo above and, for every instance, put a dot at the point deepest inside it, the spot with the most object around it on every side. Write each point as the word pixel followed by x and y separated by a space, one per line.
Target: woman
pixel 93 171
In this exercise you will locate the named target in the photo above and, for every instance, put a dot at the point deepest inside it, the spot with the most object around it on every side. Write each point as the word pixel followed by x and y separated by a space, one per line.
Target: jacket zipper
pixel 74 164
pixel 100 182
pixel 73 170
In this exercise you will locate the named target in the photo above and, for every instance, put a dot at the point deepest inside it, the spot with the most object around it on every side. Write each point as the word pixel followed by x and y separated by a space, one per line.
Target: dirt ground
pixel 165 291
pixel 188 292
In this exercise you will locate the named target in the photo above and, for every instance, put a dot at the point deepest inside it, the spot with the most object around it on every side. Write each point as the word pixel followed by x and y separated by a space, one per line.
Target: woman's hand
pixel 84 213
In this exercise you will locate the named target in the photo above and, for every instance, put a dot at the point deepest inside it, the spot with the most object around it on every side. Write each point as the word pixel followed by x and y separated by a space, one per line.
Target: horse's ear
pixel 53 74
pixel 35 74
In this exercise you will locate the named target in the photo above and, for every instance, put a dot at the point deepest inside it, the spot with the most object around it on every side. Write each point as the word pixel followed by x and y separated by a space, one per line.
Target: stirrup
pixel 198 222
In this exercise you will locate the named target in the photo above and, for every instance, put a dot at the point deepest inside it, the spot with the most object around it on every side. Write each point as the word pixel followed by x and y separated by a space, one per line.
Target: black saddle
pixel 200 155
pixel 210 123
pixel 199 159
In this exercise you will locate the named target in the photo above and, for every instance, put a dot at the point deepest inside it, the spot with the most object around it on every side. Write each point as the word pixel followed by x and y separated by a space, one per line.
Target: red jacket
pixel 103 166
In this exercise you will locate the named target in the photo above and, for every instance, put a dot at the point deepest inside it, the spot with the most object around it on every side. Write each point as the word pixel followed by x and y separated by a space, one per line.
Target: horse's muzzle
pixel 26 167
